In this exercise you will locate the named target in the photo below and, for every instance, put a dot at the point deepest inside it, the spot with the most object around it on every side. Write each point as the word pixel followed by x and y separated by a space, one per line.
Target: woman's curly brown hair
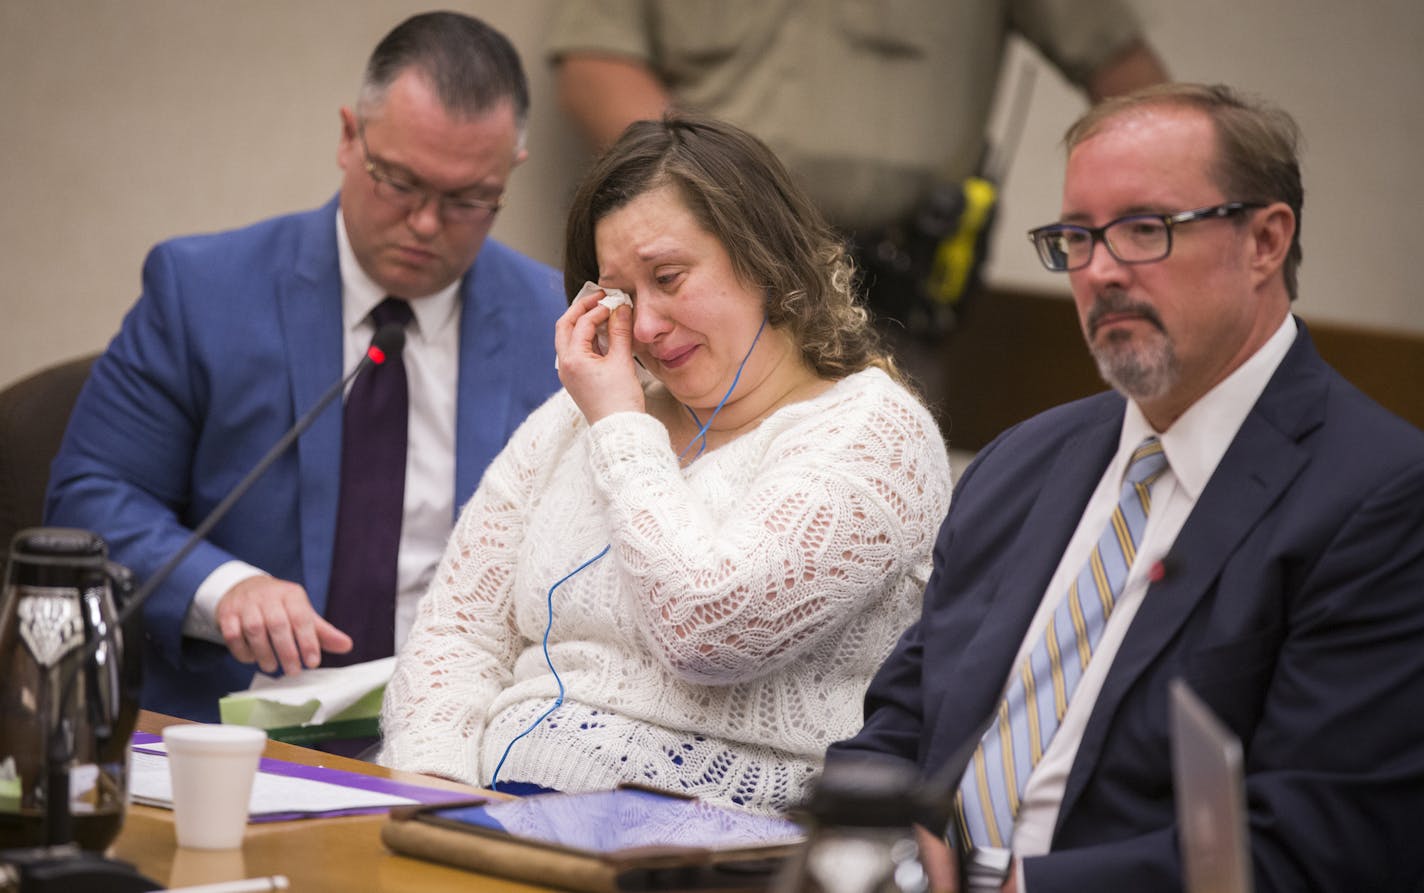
pixel 739 192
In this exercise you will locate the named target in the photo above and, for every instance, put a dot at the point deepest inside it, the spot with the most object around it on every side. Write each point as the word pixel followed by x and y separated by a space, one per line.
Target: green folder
pixel 289 722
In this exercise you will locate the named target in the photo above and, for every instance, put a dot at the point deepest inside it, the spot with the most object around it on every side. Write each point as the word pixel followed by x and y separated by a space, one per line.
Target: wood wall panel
pixel 1017 354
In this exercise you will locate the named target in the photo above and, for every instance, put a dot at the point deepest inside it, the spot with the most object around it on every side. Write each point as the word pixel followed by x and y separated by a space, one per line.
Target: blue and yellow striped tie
pixel 1037 697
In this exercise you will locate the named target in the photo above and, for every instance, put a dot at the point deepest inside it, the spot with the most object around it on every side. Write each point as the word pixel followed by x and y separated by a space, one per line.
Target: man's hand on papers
pixel 271 622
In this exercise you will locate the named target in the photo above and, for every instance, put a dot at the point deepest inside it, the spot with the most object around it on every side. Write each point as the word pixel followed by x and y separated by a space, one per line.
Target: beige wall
pixel 1351 74
pixel 129 121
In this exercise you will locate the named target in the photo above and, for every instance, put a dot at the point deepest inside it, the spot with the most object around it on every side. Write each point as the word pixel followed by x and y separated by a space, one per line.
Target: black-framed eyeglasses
pixel 412 197
pixel 1135 239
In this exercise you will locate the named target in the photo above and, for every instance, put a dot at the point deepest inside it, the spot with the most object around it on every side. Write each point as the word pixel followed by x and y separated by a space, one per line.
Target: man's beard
pixel 1138 368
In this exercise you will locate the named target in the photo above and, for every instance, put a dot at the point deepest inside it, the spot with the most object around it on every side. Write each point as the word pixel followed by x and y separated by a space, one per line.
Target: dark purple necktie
pixel 361 600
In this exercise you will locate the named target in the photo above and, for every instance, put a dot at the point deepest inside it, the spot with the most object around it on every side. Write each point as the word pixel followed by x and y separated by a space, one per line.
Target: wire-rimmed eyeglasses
pixel 1135 239
pixel 412 197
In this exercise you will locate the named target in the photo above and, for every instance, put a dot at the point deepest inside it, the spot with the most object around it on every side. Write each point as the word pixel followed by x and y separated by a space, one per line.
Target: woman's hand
pixel 601 382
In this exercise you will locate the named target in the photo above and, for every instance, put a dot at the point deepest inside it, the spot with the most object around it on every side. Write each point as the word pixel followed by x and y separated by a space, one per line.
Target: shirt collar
pixel 360 294
pixel 1197 440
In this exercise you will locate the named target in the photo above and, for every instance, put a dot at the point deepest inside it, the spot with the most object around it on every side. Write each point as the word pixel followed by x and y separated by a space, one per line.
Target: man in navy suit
pixel 1279 570
pixel 236 335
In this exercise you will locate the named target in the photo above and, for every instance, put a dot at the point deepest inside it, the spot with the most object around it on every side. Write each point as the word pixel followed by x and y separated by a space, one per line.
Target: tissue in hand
pixel 612 297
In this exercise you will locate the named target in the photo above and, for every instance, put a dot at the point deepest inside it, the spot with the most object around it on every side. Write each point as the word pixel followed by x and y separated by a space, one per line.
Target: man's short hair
pixel 471 66
pixel 1256 146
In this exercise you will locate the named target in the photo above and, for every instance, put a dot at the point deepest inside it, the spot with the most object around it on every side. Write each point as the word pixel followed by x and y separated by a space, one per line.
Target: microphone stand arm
pixel 237 492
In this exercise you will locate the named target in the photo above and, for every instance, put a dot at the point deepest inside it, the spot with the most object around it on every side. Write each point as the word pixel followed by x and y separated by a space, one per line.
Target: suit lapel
pixel 1067 483
pixel 1050 524
pixel 309 306
pixel 1263 459
pixel 484 386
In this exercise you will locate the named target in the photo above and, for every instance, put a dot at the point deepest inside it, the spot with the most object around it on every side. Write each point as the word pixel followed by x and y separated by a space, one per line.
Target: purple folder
pixel 418 793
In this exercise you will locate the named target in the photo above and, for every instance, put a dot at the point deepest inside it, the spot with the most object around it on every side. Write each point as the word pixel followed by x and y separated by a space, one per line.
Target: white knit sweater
pixel 725 639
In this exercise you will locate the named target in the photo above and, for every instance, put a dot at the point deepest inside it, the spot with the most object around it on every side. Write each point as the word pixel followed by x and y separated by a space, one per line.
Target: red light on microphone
pixel 377 355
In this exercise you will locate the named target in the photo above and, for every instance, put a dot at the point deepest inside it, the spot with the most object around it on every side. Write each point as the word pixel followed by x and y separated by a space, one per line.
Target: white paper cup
pixel 212 767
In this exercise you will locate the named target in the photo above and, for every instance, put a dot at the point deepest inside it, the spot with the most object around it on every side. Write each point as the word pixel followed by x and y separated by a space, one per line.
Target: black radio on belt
pixel 923 271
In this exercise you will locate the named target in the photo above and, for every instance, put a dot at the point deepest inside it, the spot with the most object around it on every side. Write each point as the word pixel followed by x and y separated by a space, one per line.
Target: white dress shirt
pixel 432 354
pixel 1194 446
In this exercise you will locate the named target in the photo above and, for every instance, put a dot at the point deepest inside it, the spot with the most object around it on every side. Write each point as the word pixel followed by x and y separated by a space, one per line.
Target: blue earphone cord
pixel 559 701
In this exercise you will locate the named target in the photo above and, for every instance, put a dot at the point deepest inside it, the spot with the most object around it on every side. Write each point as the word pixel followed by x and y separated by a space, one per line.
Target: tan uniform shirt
pixel 866 101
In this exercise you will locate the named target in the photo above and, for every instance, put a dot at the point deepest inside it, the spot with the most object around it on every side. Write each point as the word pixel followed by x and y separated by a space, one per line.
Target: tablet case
pixel 417 832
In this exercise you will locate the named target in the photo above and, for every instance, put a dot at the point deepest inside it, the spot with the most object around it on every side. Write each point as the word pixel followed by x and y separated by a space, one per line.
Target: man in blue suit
pixel 1274 561
pixel 236 335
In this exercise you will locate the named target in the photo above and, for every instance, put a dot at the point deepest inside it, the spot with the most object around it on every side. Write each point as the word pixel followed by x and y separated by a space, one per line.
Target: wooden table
pixel 339 854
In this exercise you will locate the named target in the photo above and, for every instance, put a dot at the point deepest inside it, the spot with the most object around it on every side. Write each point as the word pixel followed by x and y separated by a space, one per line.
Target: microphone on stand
pixel 861 811
pixel 59 865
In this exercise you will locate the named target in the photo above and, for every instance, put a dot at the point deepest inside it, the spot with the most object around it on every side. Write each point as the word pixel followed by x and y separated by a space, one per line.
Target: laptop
pixel 1211 798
